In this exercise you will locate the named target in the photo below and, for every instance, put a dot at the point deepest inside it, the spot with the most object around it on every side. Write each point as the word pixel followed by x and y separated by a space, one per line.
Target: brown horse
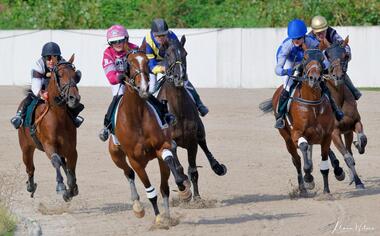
pixel 310 120
pixel 56 134
pixel 142 139
pixel 338 58
pixel 189 131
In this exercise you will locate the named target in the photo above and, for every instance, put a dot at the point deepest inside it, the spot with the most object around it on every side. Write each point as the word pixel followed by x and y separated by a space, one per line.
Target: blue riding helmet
pixel 296 29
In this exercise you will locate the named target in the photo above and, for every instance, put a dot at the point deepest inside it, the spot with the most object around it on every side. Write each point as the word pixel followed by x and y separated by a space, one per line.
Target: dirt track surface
pixel 252 199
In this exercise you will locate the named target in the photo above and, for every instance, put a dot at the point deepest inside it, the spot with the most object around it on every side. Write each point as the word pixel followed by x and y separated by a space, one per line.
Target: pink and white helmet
pixel 116 32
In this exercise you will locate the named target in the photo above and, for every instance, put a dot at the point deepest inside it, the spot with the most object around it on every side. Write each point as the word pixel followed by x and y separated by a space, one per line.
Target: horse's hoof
pixel 138 209
pixel 360 186
pixel 309 185
pixel 186 194
pixel 61 188
pixel 339 174
pixel 31 188
pixel 75 190
pixel 220 169
pixel 67 196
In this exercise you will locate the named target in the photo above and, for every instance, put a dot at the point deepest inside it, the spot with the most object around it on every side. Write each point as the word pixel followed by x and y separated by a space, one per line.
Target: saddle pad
pixel 30 110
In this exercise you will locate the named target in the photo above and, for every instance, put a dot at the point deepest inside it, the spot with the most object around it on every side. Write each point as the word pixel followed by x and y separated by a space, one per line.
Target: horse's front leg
pixel 119 158
pixel 176 168
pixel 361 142
pixel 27 157
pixel 308 164
pixel 348 138
pixel 71 176
pixel 324 167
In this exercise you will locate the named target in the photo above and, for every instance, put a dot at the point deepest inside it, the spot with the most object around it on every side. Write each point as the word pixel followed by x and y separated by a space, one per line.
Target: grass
pixel 7 222
pixel 369 88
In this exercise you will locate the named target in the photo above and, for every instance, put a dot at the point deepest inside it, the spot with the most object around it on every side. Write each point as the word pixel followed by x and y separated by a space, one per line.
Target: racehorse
pixel 54 130
pixel 338 58
pixel 142 139
pixel 309 121
pixel 189 131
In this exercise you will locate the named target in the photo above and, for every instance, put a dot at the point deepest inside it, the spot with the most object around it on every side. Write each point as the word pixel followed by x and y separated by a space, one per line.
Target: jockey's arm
pixel 282 55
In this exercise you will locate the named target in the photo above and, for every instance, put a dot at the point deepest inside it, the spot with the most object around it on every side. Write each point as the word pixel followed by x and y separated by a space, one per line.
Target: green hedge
pixel 98 14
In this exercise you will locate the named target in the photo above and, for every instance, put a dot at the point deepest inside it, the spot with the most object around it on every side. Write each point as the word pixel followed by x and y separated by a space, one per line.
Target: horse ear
pixel 345 42
pixel 183 40
pixel 71 60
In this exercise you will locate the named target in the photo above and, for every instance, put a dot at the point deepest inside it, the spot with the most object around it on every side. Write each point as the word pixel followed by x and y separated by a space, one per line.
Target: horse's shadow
pixel 253 198
pixel 108 208
pixel 245 218
pixel 372 188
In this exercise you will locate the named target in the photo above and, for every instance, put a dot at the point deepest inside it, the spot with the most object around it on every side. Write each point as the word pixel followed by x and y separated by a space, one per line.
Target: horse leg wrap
pixel 324 165
pixel 56 160
pixel 349 160
pixel 302 144
pixel 152 196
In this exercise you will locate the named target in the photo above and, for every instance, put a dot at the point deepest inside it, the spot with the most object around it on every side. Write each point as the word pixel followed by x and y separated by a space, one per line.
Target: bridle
pixel 63 89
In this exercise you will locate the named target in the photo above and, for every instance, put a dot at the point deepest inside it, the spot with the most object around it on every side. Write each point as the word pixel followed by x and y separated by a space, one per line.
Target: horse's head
pixel 138 72
pixel 338 58
pixel 175 57
pixel 65 79
pixel 312 66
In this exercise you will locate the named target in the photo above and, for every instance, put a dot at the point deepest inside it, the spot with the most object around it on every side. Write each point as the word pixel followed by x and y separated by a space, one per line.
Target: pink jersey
pixel 115 63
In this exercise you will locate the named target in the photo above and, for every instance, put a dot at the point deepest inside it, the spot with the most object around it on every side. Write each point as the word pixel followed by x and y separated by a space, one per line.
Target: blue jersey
pixel 152 49
pixel 288 52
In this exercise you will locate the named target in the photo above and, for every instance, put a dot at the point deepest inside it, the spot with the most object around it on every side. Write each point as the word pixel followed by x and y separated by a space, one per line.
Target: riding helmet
pixel 159 27
pixel 51 49
pixel 296 29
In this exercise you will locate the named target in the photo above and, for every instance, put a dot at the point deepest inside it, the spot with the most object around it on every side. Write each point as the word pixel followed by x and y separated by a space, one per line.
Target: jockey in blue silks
pixel 289 57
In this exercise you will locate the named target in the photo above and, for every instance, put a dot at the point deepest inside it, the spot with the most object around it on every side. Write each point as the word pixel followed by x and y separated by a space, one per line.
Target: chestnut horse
pixel 142 139
pixel 189 131
pixel 55 130
pixel 338 58
pixel 310 121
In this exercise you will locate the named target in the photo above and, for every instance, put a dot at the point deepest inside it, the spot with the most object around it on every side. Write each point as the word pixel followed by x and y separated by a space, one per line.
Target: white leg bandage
pixel 301 140
pixel 166 153
pixel 151 192
pixel 324 165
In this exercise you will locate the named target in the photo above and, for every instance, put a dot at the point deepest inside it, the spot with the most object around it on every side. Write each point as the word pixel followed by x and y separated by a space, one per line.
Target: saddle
pixel 29 121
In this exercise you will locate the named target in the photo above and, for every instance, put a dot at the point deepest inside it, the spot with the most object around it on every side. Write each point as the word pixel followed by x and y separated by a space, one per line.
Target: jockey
pixel 40 73
pixel 158 35
pixel 289 57
pixel 115 66
pixel 321 30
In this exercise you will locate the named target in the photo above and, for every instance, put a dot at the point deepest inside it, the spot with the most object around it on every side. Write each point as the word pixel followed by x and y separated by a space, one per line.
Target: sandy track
pixel 252 199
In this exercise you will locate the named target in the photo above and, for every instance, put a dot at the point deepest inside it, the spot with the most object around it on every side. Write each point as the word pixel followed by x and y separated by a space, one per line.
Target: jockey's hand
pixel 159 69
pixel 121 78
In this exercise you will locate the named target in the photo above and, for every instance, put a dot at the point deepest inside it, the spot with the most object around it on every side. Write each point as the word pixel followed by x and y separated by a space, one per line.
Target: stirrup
pixel 203 110
pixel 17 121
pixel 78 121
pixel 280 123
pixel 104 134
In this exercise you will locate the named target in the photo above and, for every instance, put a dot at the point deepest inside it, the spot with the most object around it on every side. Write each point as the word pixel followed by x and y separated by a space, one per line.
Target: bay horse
pixel 310 121
pixel 55 131
pixel 338 58
pixel 142 139
pixel 189 131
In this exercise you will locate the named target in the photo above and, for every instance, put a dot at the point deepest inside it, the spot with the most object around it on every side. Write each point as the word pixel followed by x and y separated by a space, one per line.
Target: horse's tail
pixel 266 106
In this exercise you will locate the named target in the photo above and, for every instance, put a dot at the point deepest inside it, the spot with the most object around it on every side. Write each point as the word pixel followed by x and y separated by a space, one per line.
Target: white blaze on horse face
pixel 143 82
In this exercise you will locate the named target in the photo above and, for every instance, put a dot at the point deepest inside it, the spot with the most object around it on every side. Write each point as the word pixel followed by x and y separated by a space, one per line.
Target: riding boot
pixel 18 119
pixel 284 96
pixel 203 110
pixel 357 94
pixel 162 109
pixel 74 112
pixel 337 111
pixel 104 132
